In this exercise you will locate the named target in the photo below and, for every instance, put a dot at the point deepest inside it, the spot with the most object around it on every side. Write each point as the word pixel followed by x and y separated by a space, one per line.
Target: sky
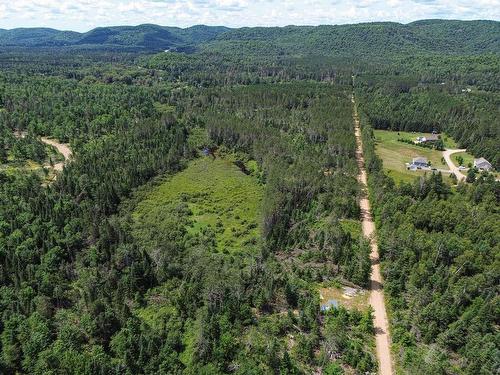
pixel 83 15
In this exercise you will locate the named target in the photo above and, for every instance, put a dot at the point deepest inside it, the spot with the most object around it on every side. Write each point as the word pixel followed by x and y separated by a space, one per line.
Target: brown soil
pixel 382 337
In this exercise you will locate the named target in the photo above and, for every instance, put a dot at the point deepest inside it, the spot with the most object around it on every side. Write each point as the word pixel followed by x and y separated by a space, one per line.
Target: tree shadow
pixel 375 285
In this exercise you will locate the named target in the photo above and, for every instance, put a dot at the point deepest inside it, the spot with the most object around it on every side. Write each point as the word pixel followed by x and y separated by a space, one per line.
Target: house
pixel 430 138
pixel 482 164
pixel 420 161
pixel 417 163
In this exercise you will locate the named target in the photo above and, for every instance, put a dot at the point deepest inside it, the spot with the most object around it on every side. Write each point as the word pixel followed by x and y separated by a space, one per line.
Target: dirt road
pixel 453 168
pixel 62 148
pixel 381 323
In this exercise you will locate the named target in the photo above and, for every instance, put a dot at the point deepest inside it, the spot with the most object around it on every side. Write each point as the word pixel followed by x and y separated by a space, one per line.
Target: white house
pixel 482 164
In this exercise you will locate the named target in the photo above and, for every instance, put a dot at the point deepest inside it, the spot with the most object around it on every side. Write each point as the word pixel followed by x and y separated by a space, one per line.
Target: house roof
pixel 432 137
pixel 481 161
pixel 420 159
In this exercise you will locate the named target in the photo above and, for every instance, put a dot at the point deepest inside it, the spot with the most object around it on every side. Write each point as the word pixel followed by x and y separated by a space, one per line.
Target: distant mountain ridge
pixel 433 36
pixel 143 37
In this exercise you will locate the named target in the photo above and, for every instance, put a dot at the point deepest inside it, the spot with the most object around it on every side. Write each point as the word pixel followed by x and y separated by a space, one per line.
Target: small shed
pixel 329 304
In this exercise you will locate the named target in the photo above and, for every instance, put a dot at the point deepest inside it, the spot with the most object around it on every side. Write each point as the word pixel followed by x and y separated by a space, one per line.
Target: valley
pixel 257 200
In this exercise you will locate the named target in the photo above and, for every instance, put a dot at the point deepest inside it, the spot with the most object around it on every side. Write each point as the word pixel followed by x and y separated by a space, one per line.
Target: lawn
pixel 468 158
pixel 220 198
pixel 449 142
pixel 395 154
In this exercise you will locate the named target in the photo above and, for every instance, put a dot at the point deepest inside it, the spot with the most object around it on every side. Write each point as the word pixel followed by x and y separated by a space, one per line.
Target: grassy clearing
pixel 13 166
pixel 448 141
pixel 467 158
pixel 336 292
pixel 220 198
pixel 395 154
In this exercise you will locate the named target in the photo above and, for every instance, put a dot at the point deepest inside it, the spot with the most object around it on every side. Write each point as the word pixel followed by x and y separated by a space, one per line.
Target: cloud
pixel 83 15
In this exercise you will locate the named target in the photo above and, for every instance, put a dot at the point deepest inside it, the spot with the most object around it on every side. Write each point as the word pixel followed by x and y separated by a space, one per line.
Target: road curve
pixel 62 148
pixel 381 323
pixel 453 168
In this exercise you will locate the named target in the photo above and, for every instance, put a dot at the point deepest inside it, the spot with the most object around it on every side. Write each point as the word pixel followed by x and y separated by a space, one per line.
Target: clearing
pixel 466 158
pixel 395 154
pixel 62 148
pixel 219 197
pixel 57 155
pixel 349 297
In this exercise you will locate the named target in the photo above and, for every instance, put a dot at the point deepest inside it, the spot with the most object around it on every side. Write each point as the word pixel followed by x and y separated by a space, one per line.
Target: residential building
pixel 482 164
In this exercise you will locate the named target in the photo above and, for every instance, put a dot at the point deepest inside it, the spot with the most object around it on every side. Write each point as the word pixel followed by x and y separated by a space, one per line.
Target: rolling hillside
pixel 431 36
pixel 142 37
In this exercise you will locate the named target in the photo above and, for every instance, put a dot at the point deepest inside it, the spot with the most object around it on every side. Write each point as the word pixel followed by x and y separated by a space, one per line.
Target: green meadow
pixel 396 154
pixel 466 157
pixel 215 196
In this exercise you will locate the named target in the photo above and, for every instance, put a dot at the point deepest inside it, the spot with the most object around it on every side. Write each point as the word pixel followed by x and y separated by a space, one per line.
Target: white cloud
pixel 83 15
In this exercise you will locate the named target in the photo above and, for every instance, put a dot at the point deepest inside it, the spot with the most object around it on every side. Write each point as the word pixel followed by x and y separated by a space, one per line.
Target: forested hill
pixel 427 36
pixel 142 37
pixel 381 38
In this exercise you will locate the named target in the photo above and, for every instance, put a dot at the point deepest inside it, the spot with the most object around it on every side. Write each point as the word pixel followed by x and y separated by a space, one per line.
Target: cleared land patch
pixel 465 157
pixel 44 169
pixel 217 199
pixel 395 154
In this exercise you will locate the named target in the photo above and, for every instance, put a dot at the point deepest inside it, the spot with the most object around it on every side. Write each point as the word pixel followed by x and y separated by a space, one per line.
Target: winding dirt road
pixel 381 323
pixel 62 148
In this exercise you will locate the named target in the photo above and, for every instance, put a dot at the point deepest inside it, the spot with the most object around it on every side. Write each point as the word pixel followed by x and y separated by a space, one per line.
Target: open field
pixel 467 158
pixel 395 154
pixel 219 197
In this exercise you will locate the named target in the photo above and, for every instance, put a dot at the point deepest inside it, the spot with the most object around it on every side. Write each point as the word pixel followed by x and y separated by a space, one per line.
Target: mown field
pixel 395 154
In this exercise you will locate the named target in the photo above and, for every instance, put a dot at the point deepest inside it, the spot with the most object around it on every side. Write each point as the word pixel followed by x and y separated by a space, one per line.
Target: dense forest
pixel 212 197
pixel 84 256
pixel 440 261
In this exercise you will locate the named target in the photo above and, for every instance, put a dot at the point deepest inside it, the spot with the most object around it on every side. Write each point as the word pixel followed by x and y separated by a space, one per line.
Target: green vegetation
pixel 439 243
pixel 463 158
pixel 407 104
pixel 178 261
pixel 145 257
pixel 368 39
pixel 218 198
pixel 396 154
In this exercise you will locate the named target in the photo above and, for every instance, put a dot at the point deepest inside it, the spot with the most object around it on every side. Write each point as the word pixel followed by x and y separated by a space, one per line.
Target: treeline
pixel 72 110
pixel 301 135
pixel 21 148
pixel 212 68
pixel 439 254
pixel 60 254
